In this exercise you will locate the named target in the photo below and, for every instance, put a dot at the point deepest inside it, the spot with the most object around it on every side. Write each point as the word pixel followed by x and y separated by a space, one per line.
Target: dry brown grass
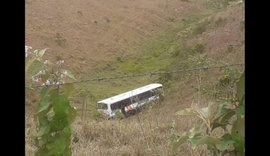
pixel 138 135
pixel 119 30
pixel 97 31
pixel 219 37
pixel 30 131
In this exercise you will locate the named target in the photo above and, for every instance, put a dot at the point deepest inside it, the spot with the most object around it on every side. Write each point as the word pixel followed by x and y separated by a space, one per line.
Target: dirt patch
pixel 87 33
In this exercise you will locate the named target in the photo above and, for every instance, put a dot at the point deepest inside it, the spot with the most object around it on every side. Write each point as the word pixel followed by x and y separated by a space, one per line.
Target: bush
pixel 54 112
pixel 228 116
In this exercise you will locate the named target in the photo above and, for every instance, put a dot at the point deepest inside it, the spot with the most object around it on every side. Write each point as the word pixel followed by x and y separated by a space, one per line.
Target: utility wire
pixel 140 75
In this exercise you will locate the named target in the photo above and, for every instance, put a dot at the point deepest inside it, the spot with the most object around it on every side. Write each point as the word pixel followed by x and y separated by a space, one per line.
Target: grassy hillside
pixel 89 33
pixel 160 36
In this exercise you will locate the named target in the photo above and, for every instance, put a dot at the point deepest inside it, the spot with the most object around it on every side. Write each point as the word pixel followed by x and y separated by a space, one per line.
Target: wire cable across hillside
pixel 141 75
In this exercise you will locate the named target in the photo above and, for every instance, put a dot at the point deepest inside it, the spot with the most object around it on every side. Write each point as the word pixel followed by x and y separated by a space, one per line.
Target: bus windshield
pixel 102 106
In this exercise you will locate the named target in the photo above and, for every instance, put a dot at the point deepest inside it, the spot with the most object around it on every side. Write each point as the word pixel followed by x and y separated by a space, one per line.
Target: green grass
pixel 165 52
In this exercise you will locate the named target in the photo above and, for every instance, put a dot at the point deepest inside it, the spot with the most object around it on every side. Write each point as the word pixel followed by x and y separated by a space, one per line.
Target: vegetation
pixel 208 126
pixel 229 116
pixel 54 112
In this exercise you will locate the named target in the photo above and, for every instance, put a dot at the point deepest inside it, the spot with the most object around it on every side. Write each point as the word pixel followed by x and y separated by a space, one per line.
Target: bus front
pixel 103 109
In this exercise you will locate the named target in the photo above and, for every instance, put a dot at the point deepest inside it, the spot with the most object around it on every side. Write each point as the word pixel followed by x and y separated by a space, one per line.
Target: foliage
pixel 228 116
pixel 54 112
pixel 32 57
pixel 55 116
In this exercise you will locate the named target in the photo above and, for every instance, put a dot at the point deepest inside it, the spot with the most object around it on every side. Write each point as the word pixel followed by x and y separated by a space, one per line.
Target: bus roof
pixel 129 94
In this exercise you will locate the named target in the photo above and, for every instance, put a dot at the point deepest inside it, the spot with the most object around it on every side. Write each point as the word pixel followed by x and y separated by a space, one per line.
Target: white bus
pixel 129 102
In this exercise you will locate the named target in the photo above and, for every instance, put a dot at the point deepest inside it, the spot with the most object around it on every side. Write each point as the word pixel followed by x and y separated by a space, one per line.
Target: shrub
pixel 229 112
pixel 54 112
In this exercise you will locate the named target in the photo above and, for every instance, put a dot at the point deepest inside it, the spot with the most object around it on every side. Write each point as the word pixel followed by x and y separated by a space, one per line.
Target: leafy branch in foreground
pixel 228 116
pixel 54 112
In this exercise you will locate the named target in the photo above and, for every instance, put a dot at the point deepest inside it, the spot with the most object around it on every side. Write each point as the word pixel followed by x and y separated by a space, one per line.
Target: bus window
pixel 145 95
pixel 102 106
pixel 134 99
pixel 125 102
pixel 115 106
pixel 120 104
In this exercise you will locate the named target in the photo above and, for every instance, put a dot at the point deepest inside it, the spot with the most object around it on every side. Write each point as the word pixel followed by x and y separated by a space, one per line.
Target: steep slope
pixel 185 34
pixel 87 33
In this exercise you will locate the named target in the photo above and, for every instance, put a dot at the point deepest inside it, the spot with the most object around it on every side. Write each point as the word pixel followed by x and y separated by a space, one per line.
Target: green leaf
pixel 43 105
pixel 43 130
pixel 238 135
pixel 194 141
pixel 238 144
pixel 194 132
pixel 45 93
pixel 28 63
pixel 226 143
pixel 238 127
pixel 66 133
pixel 41 52
pixel 179 142
pixel 221 115
pixel 57 147
pixel 42 151
pixel 67 152
pixel 44 101
pixel 69 74
pixel 58 123
pixel 50 115
pixel 42 118
pixel 227 116
pixel 37 65
pixel 240 111
pixel 210 141
pixel 60 104
pixel 226 136
pixel 187 111
pixel 223 120
pixel 222 109
pixel 194 135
